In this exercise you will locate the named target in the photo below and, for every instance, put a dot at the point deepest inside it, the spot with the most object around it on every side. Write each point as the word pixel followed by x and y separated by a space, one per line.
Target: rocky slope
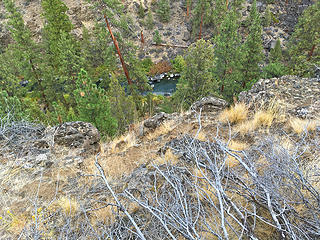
pixel 176 32
pixel 253 167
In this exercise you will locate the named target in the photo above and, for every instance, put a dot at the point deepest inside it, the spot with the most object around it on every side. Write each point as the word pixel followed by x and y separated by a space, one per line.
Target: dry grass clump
pixel 69 206
pixel 164 128
pixel 260 119
pixel 235 114
pixel 236 146
pixel 168 158
pixel 263 118
pixel 301 125
pixel 123 142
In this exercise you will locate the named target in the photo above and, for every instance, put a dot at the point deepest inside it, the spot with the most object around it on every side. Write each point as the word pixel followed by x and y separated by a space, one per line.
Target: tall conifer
pixel 252 48
pixel 228 68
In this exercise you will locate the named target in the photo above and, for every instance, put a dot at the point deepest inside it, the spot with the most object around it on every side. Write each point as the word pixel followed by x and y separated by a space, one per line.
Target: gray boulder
pixel 78 135
pixel 209 104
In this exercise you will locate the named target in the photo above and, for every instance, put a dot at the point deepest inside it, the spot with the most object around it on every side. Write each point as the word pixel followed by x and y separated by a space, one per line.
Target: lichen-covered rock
pixel 297 96
pixel 209 104
pixel 155 121
pixel 78 135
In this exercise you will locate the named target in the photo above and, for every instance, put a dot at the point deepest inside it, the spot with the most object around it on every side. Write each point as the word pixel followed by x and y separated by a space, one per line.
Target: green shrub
pixel 275 69
pixel 150 21
pixel 178 64
pixel 92 105
pixel 164 10
pixel 157 37
pixel 147 64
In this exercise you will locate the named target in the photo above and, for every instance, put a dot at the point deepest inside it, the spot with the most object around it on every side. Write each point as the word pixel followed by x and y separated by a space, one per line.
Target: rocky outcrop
pixel 209 104
pixel 78 135
pixel 298 96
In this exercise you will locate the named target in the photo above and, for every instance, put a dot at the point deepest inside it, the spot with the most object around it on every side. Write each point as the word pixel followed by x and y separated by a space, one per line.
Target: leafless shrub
pixel 270 194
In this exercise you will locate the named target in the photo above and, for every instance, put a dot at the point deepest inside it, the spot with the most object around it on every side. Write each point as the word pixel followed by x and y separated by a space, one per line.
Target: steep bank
pixel 252 167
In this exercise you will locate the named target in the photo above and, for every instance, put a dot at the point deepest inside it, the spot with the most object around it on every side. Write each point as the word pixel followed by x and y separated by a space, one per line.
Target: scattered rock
pixel 186 36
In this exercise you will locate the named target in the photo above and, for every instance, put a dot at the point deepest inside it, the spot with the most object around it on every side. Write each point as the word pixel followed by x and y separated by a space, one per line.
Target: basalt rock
pixel 209 104
pixel 297 96
pixel 78 135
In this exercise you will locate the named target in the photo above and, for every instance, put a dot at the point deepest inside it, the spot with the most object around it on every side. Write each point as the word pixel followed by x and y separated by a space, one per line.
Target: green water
pixel 165 87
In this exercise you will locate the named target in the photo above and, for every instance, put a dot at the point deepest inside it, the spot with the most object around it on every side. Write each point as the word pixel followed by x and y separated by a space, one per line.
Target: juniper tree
pixel 304 48
pixel 267 17
pixel 62 51
pixel 197 78
pixel 252 49
pixel 93 105
pixel 163 10
pixel 229 68
pixel 276 53
pixel 150 21
pixel 20 59
pixel 122 107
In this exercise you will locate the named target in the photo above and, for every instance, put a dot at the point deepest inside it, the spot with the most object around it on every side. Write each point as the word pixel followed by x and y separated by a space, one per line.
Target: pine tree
pixel 304 45
pixel 276 53
pixel 253 48
pixel 20 60
pixel 156 37
pixel 93 105
pixel 63 55
pixel 197 78
pixel 267 17
pixel 163 10
pixel 150 21
pixel 228 68
pixel 123 108
pixel 141 10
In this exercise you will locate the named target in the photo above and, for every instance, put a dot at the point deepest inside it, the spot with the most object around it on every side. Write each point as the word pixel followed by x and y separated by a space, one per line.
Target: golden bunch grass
pixel 235 114
pixel 301 125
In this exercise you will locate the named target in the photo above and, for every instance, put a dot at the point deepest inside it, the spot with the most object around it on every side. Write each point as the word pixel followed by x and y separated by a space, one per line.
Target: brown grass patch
pixel 301 125
pixel 123 142
pixel 263 118
pixel 168 158
pixel 235 114
pixel 68 205
pixel 160 67
pixel 236 146
pixel 164 128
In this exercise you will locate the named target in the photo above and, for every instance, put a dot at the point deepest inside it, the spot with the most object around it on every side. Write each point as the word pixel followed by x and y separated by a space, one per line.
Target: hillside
pixel 178 31
pixel 249 171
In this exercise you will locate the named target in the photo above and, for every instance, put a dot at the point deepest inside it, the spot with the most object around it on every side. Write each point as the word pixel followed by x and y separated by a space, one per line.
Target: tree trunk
pixel 311 52
pixel 115 42
pixel 188 8
pixel 227 3
pixel 142 38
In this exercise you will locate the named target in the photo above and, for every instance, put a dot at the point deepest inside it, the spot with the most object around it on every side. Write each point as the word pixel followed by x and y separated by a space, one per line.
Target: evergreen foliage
pixel 163 10
pixel 267 17
pixel 276 53
pixel 157 37
pixel 92 105
pixel 141 10
pixel 228 68
pixel 19 60
pixel 305 41
pixel 123 108
pixel 252 49
pixel 197 79
pixel 150 21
